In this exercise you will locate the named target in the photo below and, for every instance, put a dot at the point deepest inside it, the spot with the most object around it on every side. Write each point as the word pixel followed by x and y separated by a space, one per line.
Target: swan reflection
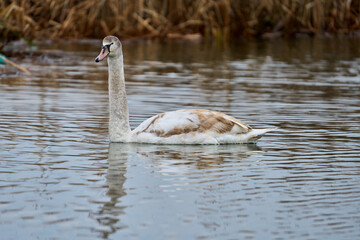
pixel 135 171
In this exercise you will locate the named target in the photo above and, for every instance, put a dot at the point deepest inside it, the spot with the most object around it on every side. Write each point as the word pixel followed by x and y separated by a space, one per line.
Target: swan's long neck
pixel 119 128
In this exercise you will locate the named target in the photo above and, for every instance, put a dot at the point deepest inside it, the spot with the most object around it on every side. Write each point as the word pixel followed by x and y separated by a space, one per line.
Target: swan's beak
pixel 104 52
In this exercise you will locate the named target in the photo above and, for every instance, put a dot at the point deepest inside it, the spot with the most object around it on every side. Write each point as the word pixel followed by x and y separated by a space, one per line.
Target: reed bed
pixel 51 19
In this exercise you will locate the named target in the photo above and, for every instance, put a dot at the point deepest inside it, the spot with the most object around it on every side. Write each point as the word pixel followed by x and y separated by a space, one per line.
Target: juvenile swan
pixel 186 126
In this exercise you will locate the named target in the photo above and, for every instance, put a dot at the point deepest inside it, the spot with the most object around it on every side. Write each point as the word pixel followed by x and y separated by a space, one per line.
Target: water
pixel 60 179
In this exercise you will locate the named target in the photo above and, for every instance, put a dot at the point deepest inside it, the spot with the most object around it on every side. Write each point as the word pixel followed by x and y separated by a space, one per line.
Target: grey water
pixel 61 179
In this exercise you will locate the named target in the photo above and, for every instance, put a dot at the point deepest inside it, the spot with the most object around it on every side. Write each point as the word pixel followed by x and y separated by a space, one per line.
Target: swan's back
pixel 193 126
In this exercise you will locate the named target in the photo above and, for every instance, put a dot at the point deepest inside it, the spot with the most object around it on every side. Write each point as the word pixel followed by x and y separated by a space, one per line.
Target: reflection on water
pixel 177 170
pixel 110 213
pixel 60 179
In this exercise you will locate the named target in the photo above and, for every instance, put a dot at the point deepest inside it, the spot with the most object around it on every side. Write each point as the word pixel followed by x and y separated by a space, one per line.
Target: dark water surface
pixel 60 179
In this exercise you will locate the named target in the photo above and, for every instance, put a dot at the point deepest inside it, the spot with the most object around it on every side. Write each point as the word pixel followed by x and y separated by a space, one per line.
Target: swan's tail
pixel 256 134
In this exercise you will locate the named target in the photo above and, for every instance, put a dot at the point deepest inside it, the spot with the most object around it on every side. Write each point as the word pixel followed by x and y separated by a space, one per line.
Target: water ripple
pixel 59 178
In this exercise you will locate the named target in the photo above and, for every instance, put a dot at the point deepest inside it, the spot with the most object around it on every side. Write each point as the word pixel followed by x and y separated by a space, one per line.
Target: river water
pixel 60 178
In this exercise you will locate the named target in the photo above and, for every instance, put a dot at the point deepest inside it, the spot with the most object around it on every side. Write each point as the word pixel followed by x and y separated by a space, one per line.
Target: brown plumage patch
pixel 218 122
pixel 178 131
pixel 210 121
pixel 151 123
pixel 223 125
pixel 158 132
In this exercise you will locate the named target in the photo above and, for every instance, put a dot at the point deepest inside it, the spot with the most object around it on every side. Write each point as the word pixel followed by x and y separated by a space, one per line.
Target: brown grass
pixel 52 19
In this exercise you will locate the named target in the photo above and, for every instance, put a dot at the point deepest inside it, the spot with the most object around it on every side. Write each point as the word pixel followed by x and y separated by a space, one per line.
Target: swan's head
pixel 111 47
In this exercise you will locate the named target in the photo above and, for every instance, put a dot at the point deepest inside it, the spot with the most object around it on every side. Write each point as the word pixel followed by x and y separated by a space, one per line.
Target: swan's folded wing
pixel 191 121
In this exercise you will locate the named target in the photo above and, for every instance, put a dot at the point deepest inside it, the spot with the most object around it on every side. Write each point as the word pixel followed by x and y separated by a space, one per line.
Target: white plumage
pixel 186 126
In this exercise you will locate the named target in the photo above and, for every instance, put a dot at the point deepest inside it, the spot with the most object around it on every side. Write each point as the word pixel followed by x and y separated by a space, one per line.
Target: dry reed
pixel 34 19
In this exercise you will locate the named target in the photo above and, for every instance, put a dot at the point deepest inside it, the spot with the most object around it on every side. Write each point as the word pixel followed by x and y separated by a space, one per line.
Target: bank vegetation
pixel 52 19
